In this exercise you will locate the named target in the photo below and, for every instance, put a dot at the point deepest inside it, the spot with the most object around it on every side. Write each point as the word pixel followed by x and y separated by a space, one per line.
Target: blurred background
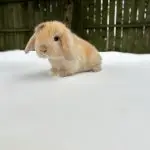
pixel 111 25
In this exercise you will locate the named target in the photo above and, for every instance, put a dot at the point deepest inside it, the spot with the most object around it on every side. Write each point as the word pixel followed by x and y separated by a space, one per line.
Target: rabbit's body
pixel 84 59
pixel 68 55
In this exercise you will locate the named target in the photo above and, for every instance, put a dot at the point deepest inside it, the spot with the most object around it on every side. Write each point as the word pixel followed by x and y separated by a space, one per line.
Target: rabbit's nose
pixel 43 50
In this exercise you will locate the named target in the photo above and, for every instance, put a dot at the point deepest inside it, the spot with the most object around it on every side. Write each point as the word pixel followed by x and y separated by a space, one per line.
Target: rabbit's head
pixel 51 39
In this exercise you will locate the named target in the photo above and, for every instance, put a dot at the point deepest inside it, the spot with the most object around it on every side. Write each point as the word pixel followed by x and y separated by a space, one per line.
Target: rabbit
pixel 67 53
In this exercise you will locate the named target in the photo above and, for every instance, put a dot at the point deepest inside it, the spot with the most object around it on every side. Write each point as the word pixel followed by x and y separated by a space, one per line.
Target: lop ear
pixel 30 44
pixel 67 44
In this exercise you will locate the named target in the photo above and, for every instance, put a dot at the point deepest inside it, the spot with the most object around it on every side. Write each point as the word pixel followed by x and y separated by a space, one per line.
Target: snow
pixel 108 110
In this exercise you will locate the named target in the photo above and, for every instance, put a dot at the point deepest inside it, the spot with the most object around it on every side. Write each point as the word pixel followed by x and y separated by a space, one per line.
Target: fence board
pixel 147 30
pixel 127 41
pixel 78 14
pixel 125 21
pixel 94 33
pixel 139 37
pixel 6 25
pixel 104 22
pixel 28 11
pixel 118 39
pixel 111 22
pixel 1 26
pixel 88 17
pixel 133 31
pixel 53 10
pixel 99 32
pixel 38 13
pixel 90 12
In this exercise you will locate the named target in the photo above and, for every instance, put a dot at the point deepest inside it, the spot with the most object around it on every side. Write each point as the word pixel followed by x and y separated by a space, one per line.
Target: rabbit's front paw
pixel 54 71
pixel 96 68
pixel 64 73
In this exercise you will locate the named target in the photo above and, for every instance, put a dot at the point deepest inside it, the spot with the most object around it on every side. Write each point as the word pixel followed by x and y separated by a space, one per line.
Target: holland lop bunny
pixel 67 53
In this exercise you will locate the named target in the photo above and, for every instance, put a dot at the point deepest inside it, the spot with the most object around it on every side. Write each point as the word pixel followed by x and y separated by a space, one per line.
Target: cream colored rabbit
pixel 67 52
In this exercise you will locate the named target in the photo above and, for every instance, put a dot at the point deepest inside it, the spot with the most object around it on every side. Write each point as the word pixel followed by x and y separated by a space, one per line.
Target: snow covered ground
pixel 109 110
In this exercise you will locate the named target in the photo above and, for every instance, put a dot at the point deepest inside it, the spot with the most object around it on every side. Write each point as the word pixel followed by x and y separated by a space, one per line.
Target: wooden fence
pixel 121 25
pixel 118 25
pixel 18 18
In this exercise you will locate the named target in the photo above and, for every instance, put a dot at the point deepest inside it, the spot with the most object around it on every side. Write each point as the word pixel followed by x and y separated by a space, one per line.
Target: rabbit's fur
pixel 68 53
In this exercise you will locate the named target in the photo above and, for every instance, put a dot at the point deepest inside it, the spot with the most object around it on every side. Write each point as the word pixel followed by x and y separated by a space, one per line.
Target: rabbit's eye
pixel 56 38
